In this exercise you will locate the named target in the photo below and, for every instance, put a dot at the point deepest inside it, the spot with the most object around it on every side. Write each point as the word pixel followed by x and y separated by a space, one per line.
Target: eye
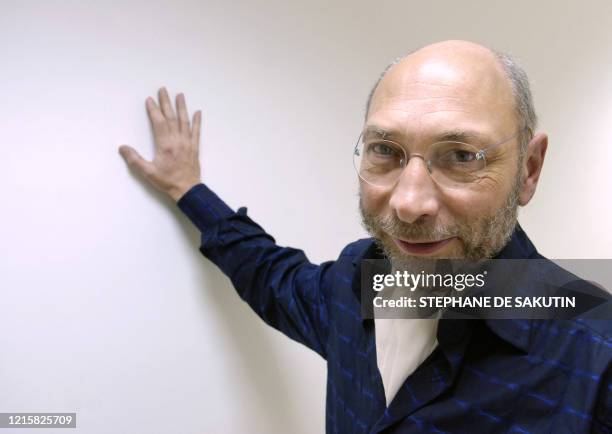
pixel 456 156
pixel 451 153
pixel 463 156
pixel 381 149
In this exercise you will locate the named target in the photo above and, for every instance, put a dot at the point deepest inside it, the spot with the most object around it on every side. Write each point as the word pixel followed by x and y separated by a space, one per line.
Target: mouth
pixel 422 247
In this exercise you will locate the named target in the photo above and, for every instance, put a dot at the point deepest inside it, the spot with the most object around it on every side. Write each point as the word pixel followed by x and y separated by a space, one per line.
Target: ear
pixel 532 166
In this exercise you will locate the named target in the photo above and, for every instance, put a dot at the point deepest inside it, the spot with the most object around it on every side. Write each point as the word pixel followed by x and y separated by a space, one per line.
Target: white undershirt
pixel 402 344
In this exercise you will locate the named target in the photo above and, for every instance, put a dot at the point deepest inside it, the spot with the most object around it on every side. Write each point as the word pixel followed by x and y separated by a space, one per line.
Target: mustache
pixel 481 237
pixel 396 228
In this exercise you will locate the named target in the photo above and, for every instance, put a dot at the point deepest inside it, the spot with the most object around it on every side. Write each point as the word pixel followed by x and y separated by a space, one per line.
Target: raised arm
pixel 279 283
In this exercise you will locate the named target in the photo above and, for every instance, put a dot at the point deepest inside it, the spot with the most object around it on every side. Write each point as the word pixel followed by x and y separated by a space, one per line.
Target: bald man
pixel 447 153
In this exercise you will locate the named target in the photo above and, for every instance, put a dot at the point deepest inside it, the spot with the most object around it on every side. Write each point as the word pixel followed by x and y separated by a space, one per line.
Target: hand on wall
pixel 175 167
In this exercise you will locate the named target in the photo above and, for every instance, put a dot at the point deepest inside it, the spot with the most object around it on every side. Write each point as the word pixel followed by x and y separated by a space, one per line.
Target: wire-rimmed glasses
pixel 451 164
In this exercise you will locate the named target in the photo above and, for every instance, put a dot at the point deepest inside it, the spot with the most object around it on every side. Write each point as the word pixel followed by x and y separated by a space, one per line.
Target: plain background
pixel 109 310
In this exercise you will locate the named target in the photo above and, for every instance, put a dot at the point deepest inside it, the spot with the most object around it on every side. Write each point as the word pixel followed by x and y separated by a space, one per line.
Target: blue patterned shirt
pixel 485 376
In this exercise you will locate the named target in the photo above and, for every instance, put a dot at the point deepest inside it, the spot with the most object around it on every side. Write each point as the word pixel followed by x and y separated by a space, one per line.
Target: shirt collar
pixel 515 332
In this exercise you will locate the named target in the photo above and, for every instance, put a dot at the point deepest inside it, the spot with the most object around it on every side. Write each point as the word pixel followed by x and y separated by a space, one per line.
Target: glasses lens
pixel 455 164
pixel 378 162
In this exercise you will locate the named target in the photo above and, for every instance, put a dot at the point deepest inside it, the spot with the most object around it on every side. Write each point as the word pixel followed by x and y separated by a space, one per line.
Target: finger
pixel 183 116
pixel 195 131
pixel 135 161
pixel 158 121
pixel 166 106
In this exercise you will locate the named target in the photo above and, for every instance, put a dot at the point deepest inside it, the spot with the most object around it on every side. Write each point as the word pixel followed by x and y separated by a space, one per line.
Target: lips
pixel 422 248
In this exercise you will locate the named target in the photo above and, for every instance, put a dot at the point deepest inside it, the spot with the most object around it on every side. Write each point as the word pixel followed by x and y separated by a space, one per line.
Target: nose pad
pixel 405 160
pixel 416 194
pixel 413 157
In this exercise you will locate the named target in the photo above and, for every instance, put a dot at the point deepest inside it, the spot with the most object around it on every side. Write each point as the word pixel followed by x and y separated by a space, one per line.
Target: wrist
pixel 178 192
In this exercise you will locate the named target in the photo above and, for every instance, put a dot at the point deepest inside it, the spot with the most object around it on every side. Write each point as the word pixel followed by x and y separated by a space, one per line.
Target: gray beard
pixel 482 239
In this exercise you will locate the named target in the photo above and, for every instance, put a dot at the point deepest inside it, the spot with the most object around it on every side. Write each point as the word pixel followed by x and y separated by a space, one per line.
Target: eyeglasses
pixel 451 164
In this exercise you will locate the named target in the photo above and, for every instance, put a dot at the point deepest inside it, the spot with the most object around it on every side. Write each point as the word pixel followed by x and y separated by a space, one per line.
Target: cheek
pixel 463 205
pixel 373 199
pixel 487 195
pixel 471 205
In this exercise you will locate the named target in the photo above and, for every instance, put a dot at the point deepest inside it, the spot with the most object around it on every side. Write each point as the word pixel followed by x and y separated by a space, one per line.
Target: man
pixel 446 156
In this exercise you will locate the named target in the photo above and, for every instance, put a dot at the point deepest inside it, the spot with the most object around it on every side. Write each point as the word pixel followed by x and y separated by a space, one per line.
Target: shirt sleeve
pixel 279 283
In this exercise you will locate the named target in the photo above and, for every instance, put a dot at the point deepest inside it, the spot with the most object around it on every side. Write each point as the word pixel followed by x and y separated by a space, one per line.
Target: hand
pixel 176 165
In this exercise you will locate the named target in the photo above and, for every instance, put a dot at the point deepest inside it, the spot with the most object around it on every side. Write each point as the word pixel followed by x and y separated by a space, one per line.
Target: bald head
pixel 417 184
pixel 479 74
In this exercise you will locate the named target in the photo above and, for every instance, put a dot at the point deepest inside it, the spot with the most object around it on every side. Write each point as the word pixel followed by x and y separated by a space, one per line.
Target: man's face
pixel 433 92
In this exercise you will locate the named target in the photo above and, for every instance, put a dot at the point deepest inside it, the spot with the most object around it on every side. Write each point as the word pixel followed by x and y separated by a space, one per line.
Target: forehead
pixel 422 97
pixel 474 136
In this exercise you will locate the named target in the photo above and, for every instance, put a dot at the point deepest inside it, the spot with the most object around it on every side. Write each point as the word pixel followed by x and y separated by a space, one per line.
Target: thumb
pixel 135 161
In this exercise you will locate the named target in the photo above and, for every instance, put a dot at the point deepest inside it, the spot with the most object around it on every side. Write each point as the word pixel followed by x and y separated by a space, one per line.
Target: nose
pixel 415 195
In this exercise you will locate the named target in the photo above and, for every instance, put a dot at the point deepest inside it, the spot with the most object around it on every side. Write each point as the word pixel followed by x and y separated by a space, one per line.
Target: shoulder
pixel 357 249
pixel 593 315
pixel 584 333
pixel 347 263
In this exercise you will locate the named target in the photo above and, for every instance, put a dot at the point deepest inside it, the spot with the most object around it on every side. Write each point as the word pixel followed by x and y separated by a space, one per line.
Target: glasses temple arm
pixel 480 154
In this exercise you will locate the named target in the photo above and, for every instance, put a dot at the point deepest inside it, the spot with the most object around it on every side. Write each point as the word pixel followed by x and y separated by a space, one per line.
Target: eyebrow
pixel 454 135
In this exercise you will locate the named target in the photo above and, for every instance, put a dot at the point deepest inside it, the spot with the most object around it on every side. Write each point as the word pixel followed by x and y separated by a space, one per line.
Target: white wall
pixel 109 310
